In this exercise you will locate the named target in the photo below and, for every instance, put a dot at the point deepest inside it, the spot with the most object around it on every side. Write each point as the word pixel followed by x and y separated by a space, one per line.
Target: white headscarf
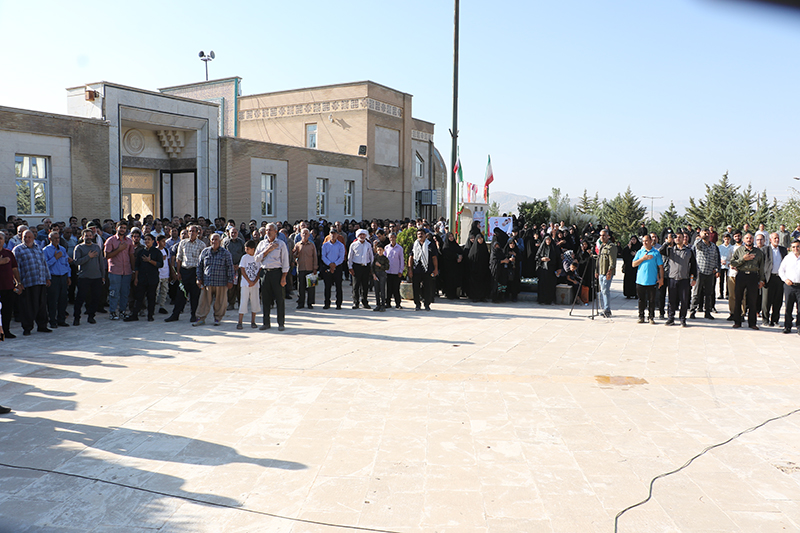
pixel 421 253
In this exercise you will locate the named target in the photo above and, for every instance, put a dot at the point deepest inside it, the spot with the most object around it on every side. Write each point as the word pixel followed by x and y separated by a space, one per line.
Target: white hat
pixel 362 232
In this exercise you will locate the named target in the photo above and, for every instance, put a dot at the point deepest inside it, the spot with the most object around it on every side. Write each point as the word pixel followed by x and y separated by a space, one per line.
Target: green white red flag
pixel 488 180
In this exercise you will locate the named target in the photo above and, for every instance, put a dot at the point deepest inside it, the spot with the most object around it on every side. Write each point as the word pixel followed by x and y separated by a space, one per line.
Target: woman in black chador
pixel 498 264
pixel 549 260
pixel 513 255
pixel 450 266
pixel 480 277
pixel 628 270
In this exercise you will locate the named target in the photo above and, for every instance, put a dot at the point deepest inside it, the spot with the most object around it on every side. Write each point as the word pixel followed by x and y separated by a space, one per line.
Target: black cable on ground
pixel 196 500
pixel 690 461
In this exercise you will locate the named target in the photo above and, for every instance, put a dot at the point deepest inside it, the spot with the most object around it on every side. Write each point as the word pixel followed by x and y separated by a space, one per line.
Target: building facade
pixel 349 151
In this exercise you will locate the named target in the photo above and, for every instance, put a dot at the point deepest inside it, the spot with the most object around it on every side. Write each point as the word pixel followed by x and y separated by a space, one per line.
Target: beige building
pixel 404 174
pixel 349 151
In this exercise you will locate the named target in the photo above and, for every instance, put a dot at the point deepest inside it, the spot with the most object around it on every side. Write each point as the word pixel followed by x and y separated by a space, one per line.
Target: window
pixel 322 197
pixel 349 193
pixel 268 195
pixel 311 135
pixel 32 184
pixel 419 167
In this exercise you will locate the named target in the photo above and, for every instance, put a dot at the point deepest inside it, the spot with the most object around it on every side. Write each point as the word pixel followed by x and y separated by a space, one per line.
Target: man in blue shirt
pixel 650 274
pixel 60 279
pixel 333 258
pixel 35 278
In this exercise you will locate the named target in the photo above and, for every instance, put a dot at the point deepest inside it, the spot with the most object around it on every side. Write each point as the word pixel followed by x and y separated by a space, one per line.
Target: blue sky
pixel 661 95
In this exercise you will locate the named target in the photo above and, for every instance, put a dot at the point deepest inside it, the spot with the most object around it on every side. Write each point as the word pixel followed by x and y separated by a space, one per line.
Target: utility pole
pixel 651 198
pixel 454 132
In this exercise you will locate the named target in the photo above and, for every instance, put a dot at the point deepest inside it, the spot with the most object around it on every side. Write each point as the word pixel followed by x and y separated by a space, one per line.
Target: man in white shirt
pixel 273 256
pixel 789 272
pixel 359 262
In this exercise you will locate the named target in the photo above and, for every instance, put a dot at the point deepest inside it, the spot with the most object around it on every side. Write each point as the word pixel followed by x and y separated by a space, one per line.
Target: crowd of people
pixel 135 268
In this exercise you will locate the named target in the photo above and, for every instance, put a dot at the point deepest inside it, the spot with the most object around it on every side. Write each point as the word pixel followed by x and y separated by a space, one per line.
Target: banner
pixel 504 223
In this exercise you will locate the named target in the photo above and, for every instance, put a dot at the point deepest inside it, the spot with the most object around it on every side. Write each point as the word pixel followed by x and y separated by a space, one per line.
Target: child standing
pixel 379 267
pixel 250 287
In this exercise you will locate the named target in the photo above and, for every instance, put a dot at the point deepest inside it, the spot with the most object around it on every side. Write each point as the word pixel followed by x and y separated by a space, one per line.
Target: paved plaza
pixel 468 418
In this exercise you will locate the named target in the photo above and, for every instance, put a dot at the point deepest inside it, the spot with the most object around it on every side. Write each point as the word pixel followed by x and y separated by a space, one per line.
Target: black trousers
pixel 647 298
pixel 679 290
pixel 661 297
pixel 189 280
pixel 33 307
pixel 361 277
pixel 90 291
pixel 792 294
pixel 422 285
pixel 271 291
pixel 8 299
pixel 148 290
pixel 304 294
pixel 772 298
pixel 57 299
pixel 73 288
pixel 746 281
pixel 393 289
pixel 704 289
pixel 331 279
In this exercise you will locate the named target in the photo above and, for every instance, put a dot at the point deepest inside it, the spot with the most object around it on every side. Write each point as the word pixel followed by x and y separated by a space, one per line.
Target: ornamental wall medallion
pixel 133 142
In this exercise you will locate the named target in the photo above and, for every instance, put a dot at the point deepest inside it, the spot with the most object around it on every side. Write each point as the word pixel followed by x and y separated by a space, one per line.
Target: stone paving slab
pixel 469 418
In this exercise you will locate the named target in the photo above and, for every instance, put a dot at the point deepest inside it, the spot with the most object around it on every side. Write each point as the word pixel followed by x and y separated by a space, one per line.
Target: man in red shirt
pixel 118 250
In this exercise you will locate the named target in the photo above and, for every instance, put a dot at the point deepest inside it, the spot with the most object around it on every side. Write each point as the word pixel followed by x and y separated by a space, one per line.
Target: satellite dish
pixel 202 54
pixel 211 55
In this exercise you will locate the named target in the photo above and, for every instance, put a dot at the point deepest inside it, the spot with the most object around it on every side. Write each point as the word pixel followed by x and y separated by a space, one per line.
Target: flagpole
pixel 454 131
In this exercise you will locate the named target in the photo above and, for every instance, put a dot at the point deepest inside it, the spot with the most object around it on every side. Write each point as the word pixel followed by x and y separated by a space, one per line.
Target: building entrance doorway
pixel 139 193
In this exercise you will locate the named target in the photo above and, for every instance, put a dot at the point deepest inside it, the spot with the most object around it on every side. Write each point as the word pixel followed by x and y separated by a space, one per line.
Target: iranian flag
pixel 489 179
pixel 457 170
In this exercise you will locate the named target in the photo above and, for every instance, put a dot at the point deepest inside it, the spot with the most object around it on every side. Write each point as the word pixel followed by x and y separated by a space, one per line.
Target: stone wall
pixel 78 150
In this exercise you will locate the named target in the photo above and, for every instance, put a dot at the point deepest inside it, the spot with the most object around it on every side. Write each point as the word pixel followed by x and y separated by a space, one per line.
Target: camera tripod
pixel 593 289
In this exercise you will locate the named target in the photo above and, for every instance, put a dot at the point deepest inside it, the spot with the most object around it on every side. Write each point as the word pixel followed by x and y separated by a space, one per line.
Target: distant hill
pixel 508 200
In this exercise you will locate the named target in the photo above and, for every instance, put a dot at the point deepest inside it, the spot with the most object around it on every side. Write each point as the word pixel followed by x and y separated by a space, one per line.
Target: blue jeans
pixel 118 288
pixel 605 292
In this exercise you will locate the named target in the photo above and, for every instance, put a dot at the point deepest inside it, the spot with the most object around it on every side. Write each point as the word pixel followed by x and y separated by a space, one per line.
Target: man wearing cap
pixel 359 262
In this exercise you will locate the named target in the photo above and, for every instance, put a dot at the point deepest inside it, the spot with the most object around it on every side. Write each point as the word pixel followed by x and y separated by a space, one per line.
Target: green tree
pixel 724 203
pixel 668 219
pixel 789 212
pixel 764 212
pixel 535 212
pixel 623 214
pixel 557 203
pixel 587 205
pixel 494 210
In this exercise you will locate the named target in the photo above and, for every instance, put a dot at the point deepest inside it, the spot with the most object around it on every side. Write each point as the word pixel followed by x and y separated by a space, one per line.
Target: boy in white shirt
pixel 250 286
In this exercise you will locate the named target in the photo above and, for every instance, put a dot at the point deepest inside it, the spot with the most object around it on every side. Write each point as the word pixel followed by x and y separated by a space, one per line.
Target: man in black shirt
pixel 145 278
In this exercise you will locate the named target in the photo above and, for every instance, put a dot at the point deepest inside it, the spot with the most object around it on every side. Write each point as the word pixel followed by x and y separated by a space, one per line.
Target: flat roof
pixel 210 82
pixel 145 91
pixel 55 115
pixel 351 84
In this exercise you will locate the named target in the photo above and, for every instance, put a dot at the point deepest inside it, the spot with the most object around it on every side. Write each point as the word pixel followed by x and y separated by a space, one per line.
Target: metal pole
pixel 454 131
pixel 206 62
